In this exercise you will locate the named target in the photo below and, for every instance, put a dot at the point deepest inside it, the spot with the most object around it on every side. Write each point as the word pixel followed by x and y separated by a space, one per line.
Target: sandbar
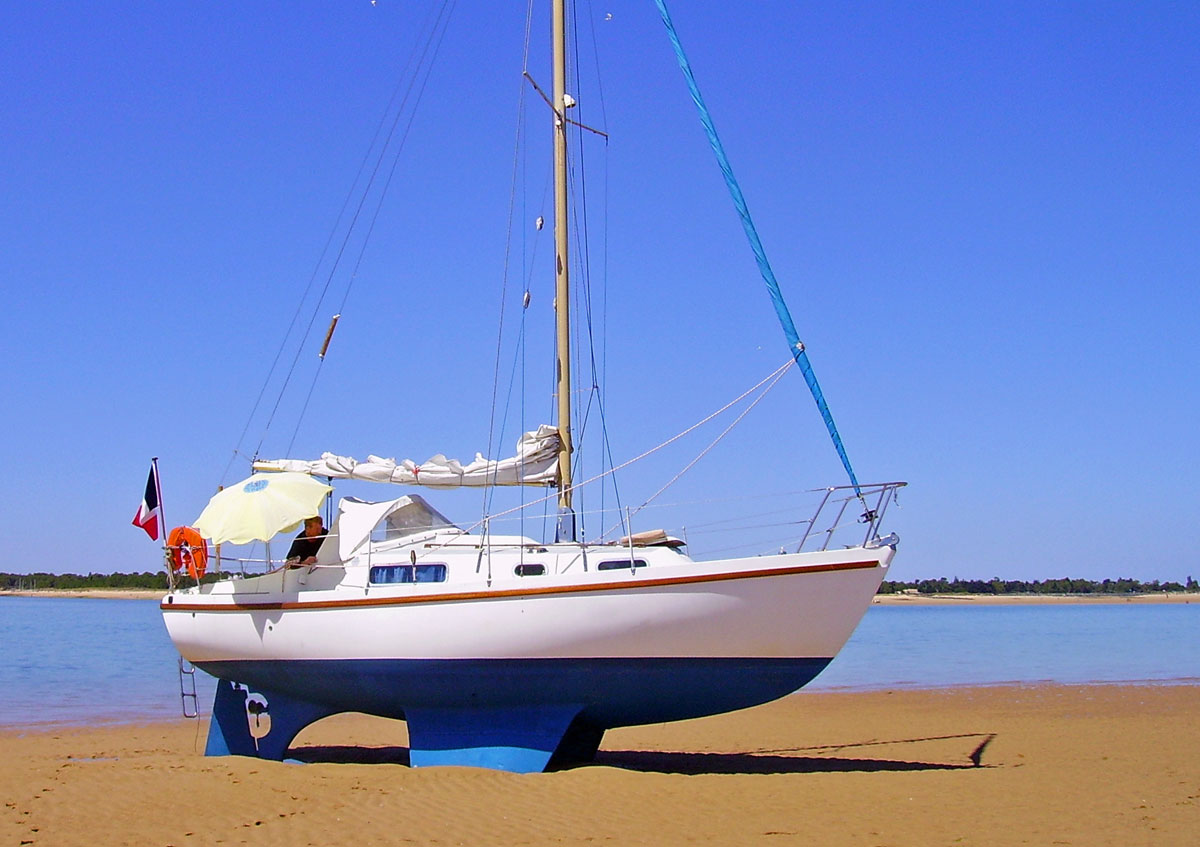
pixel 998 765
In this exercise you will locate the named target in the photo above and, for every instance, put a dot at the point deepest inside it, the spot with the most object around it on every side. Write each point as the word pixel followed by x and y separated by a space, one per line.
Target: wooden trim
pixel 511 592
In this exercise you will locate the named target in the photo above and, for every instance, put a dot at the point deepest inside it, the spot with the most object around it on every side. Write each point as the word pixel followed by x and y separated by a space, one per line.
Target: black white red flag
pixel 149 514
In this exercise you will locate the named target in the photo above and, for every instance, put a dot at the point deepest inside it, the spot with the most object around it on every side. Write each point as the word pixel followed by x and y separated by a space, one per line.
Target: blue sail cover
pixel 785 318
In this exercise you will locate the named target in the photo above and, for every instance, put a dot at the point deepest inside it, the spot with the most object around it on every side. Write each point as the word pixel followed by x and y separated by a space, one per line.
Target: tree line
pixel 1048 586
pixel 77 582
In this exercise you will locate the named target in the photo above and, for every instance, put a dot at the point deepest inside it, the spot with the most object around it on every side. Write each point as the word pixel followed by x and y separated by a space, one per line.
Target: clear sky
pixel 985 218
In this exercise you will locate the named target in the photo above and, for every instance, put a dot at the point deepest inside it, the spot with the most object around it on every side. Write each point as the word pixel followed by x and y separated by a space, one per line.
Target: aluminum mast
pixel 562 301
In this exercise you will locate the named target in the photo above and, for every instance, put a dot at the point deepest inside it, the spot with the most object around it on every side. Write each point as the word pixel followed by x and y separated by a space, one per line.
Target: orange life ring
pixel 189 551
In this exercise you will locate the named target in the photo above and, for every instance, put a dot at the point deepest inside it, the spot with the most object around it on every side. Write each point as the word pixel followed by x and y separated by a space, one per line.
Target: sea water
pixel 84 661
pixel 935 646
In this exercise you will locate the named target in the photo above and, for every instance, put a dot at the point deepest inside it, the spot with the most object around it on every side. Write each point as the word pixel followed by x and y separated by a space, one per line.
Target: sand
pixel 1044 765
pixel 93 593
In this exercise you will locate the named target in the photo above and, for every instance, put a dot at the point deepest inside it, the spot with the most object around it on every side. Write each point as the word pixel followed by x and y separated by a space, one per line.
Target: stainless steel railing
pixel 872 504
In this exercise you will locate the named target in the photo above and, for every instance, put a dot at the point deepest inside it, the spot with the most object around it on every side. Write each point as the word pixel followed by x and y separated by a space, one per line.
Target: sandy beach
pixel 1086 765
pixel 95 593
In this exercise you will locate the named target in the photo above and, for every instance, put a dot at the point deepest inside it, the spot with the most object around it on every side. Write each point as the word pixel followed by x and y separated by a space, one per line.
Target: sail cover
pixel 536 463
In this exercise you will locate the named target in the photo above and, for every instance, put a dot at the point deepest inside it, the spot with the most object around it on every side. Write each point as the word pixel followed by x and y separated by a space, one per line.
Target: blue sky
pixel 984 218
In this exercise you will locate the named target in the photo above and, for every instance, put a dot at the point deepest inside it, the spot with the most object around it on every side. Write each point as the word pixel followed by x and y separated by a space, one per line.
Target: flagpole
pixel 163 518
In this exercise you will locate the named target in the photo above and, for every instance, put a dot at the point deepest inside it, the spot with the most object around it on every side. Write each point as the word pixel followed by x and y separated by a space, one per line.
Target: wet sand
pixel 1082 765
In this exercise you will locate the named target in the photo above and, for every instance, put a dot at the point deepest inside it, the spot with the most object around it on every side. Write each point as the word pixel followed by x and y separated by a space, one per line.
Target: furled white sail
pixel 536 463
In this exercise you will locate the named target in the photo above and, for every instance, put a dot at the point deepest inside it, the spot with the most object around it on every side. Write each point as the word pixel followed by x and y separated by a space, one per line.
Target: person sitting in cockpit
pixel 304 549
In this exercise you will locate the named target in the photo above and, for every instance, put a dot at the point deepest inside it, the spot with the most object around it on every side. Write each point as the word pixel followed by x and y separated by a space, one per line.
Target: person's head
pixel 313 525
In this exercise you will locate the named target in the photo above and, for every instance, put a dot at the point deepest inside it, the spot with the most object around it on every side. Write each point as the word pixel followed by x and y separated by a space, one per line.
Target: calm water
pixel 90 661
pixel 923 646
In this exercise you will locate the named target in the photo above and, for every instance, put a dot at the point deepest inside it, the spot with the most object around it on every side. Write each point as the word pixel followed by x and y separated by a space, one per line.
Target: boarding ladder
pixel 187 688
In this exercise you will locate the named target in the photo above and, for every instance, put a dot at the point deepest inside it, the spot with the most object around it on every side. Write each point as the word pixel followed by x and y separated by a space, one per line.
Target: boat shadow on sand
pixel 826 759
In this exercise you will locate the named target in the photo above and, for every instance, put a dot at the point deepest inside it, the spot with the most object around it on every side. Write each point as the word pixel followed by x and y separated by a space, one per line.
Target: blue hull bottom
pixel 509 714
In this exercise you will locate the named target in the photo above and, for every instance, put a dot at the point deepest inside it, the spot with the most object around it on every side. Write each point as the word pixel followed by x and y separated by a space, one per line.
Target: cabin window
pixel 619 564
pixel 530 570
pixel 390 574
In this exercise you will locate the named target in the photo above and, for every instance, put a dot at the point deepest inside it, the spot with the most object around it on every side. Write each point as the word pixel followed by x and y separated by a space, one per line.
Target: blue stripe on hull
pixel 613 692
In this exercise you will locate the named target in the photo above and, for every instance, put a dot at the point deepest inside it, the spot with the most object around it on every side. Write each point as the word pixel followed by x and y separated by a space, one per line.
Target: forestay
pixel 536 463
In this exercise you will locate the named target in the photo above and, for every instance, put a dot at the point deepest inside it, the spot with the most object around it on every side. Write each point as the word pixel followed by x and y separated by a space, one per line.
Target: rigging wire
pixel 723 526
pixel 317 267
pixel 772 378
pixel 580 214
pixel 383 192
pixel 705 451
pixel 599 374
pixel 488 491
pixel 434 23
pixel 436 36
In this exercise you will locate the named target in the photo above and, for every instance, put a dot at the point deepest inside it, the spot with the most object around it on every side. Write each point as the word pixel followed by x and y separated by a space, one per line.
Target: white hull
pixel 804 604
pixel 491 663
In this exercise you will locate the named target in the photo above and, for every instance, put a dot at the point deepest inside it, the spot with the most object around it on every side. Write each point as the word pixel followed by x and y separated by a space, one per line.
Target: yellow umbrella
pixel 259 507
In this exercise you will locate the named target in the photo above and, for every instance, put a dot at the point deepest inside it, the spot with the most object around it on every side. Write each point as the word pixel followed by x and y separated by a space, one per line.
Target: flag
pixel 149 514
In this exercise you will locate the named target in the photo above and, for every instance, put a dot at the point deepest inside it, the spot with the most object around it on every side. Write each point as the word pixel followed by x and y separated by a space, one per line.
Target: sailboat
pixel 505 651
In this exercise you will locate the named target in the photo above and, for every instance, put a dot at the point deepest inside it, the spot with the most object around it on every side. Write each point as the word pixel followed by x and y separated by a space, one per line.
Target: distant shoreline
pixel 879 599
pixel 1031 599
pixel 92 593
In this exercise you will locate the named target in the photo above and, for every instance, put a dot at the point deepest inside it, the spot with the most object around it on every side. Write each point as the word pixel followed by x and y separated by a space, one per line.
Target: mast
pixel 562 301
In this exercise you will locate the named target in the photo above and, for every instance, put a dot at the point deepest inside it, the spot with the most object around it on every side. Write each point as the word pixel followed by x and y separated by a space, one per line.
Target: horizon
pixel 1188 585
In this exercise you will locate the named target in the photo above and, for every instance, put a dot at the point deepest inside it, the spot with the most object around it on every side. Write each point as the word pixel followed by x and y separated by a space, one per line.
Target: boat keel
pixel 517 738
pixel 488 712
pixel 520 739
